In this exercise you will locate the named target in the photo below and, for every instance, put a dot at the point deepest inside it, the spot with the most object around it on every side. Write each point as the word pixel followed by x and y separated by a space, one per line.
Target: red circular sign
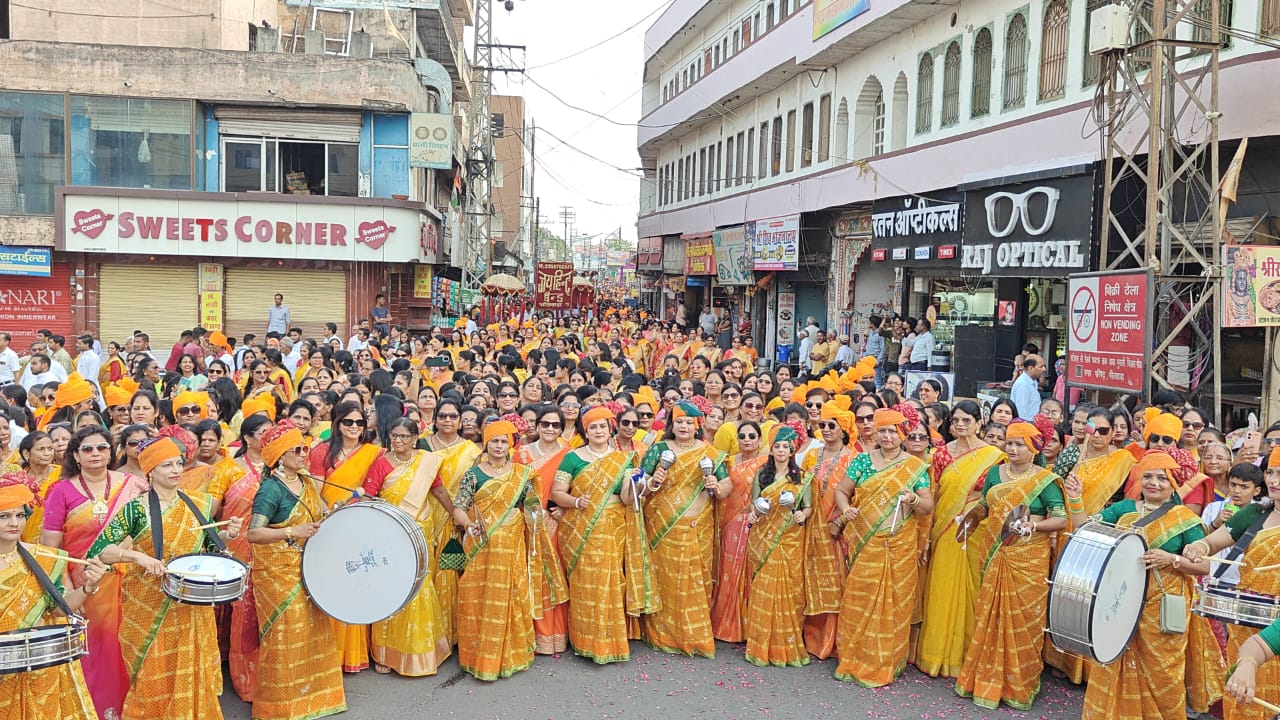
pixel 1084 314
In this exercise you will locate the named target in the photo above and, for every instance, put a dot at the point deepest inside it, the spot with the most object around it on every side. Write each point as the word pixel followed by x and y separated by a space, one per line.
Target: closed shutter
pixel 314 297
pixel 328 125
pixel 159 301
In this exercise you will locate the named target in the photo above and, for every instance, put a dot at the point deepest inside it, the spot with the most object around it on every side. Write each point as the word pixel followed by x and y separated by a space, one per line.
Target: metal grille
pixel 980 103
pixel 1053 51
pixel 1202 19
pixel 824 128
pixel 1092 63
pixel 924 94
pixel 877 124
pixel 1015 62
pixel 951 85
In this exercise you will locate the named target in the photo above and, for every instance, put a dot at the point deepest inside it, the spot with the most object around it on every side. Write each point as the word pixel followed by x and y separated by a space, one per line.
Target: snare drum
pixel 1099 588
pixel 1240 607
pixel 365 563
pixel 41 647
pixel 200 579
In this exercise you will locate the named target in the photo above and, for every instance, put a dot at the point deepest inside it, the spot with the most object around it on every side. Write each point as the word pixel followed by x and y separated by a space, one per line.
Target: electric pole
pixel 567 215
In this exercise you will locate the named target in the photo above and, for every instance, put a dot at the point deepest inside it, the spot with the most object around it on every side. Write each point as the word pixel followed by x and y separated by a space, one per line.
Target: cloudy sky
pixel 578 153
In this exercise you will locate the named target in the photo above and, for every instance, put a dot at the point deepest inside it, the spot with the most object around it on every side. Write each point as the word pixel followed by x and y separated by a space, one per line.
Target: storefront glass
pixel 129 142
pixel 32 152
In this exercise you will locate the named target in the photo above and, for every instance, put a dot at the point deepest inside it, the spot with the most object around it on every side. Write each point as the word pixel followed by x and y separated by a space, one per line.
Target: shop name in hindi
pixel 1039 254
pixel 920 220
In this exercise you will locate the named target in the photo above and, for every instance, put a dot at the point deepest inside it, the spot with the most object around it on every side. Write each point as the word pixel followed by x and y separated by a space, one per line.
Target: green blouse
pixel 803 501
pixel 1271 636
pixel 651 458
pixel 1112 515
pixel 1048 503
pixel 861 469
pixel 572 465
pixel 475 478
pixel 1247 516
pixel 274 501
pixel 132 521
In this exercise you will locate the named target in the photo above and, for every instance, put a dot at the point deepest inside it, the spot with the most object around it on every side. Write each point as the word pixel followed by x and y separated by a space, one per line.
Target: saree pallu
pixel 298 673
pixel 412 642
pixel 825 561
pixel 1005 658
pixel 879 594
pixel 35 521
pixel 951 585
pixel 1206 669
pixel 1101 477
pixel 1146 682
pixel 454 461
pixel 170 648
pixel 242 622
pixel 775 594
pixel 1263 551
pixel 551 632
pixel 731 519
pixel 107 678
pixel 593 544
pixel 681 548
pixel 55 693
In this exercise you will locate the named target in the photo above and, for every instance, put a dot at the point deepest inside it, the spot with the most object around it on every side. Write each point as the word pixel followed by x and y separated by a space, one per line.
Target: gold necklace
pixel 10 558
pixel 401 463
pixel 1008 469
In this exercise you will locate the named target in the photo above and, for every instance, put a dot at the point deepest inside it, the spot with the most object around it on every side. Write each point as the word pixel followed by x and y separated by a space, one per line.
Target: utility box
pixel 1108 29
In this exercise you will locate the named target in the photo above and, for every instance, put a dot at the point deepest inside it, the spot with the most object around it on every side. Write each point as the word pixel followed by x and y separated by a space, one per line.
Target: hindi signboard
pixel 553 285
pixel 776 242
pixel 1109 322
pixel 1251 297
pixel 734 257
pixel 699 256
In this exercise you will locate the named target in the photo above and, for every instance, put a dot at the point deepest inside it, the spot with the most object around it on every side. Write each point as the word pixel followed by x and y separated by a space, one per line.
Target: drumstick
pixel 1267 567
pixel 53 556
pixel 1225 561
pixel 213 525
pixel 1265 704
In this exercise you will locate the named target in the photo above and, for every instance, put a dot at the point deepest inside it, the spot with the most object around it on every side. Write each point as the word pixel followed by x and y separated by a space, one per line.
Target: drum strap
pixel 45 582
pixel 157 524
pixel 208 532
pixel 1154 515
pixel 1241 545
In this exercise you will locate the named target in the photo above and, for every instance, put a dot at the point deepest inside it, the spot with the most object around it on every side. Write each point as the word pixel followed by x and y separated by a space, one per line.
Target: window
pixel 702 171
pixel 1270 17
pixel 680 180
pixel 806 135
pixel 764 151
pixel 824 128
pixel 877 123
pixel 716 59
pixel 737 41
pixel 775 165
pixel 497 228
pixel 951 85
pixel 743 170
pixel 33 158
pixel 791 141
pixel 755 32
pixel 391 156
pixel 499 173
pixel 1015 62
pixel 1092 63
pixel 842 131
pixel 768 18
pixel 749 165
pixel 784 9
pixel 126 142
pixel 724 47
pixel 720 163
pixel 730 163
pixel 868 120
pixel 980 102
pixel 1202 15
pixel 1053 51
pixel 924 94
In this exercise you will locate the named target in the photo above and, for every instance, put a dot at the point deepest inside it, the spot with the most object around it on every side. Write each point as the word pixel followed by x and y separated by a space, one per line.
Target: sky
pixel 605 80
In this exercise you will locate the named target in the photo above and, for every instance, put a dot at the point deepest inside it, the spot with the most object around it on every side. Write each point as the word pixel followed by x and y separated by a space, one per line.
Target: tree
pixel 549 246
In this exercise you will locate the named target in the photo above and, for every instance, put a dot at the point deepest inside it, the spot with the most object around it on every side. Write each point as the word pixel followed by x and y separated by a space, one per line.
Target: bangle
pixel 1177 562
pixel 87 591
pixel 1242 658
pixel 915 500
pixel 288 533
pixel 1208 549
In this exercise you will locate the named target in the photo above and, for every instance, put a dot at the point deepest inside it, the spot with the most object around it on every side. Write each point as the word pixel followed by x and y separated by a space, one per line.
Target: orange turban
pixel 1155 460
pixel 189 397
pixel 1163 424
pixel 129 385
pixel 263 403
pixel 218 339
pixel 156 451
pixel 116 396
pixel 499 428
pixel 73 392
pixel 596 414
pixel 15 496
pixel 279 440
pixel 843 418
pixel 888 418
pixel 1028 433
pixel 1273 460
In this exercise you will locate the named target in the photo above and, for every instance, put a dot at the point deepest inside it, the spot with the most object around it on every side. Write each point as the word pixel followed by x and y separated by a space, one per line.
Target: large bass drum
pixel 1099 588
pixel 365 563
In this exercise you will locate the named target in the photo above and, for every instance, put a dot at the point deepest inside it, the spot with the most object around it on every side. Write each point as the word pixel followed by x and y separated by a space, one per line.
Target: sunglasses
pixel 133 443
pixel 300 450
pixel 550 425
pixel 670 399
pixel 1102 429
pixel 916 437
pixel 1196 425
pixel 865 418
pixel 628 423
pixel 828 425
pixel 48 398
pixel 727 396
pixel 212 371
pixel 570 406
pixel 97 448
pixel 188 410
pixel 352 422
pixel 813 405
pixel 748 436
pixel 1163 439
pixel 507 395
pixel 752 406
pixel 1271 441
pixel 647 415
pixel 447 416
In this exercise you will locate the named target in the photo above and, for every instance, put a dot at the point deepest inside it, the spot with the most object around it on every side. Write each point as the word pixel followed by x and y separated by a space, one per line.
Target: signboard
pixel 553 286
pixel 1035 229
pixel 649 254
pixel 1251 297
pixel 775 242
pixel 431 141
pixel 26 262
pixel 422 277
pixel 285 227
pixel 672 255
pixel 913 230
pixel 30 303
pixel 1109 330
pixel 831 14
pixel 211 277
pixel 786 318
pixel 734 258
pixel 700 256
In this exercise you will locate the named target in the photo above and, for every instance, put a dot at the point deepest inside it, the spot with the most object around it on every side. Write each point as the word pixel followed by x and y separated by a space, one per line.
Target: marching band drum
pixel 1098 589
pixel 42 647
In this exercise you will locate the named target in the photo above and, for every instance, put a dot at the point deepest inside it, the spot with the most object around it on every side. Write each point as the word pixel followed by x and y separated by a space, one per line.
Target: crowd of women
pixel 593 485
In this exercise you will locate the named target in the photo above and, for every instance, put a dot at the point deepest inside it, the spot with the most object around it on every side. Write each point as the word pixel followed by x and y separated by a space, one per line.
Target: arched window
pixel 841 140
pixel 877 125
pixel 924 94
pixel 1015 62
pixel 868 120
pixel 1053 51
pixel 898 118
pixel 980 102
pixel 951 85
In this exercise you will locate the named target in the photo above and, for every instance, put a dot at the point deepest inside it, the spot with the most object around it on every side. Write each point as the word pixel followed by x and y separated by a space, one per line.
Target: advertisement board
pixel 1109 326
pixel 553 285
pixel 734 257
pixel 1032 229
pixel 211 287
pixel 786 318
pixel 699 256
pixel 775 242
pixel 30 303
pixel 422 276
pixel 431 140
pixel 26 261
pixel 1251 296
pixel 831 14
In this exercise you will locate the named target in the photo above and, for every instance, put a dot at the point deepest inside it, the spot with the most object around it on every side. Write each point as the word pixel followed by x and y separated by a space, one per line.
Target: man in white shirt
pixel 845 353
pixel 1025 392
pixel 10 363
pixel 707 320
pixel 291 353
pixel 807 339
pixel 87 361
pixel 331 336
pixel 922 350
pixel 360 340
pixel 142 344
pixel 58 372
pixel 38 372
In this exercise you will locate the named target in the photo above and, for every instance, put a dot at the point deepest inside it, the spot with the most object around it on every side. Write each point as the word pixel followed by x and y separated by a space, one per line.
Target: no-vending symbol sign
pixel 1084 314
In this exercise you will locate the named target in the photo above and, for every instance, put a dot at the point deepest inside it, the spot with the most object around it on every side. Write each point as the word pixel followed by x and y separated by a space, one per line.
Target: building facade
pixel 508 229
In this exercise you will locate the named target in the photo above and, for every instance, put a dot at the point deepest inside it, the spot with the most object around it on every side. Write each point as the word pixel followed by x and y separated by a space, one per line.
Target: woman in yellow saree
pixel 551 632
pixel 951 584
pixel 1146 681
pixel 513 575
pixel 781 503
pixel 878 504
pixel 170 648
pixel 826 555
pixel 299 675
pixel 732 521
pixel 456 455
pixel 599 537
pixel 1005 658
pixel 680 525
pixel 37 458
pixel 58 692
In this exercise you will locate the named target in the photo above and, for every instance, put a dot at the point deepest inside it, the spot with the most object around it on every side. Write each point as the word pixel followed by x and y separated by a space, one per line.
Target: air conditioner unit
pixel 1108 29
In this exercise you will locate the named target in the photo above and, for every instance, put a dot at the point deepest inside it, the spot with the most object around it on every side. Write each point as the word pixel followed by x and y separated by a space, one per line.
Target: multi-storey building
pixel 508 229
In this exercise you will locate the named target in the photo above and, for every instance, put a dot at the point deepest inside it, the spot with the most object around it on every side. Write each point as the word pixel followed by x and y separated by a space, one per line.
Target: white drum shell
pixel 41 647
pixel 227 585
pixel 1098 591
pixel 365 563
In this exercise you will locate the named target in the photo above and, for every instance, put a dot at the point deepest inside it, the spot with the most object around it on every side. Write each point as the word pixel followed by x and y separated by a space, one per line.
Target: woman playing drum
pixel 170 648
pixel 1004 661
pixel 1147 680
pixel 1255 652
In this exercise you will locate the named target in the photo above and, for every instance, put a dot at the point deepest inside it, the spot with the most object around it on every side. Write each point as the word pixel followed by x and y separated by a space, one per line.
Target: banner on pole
pixel 1109 322
pixel 553 285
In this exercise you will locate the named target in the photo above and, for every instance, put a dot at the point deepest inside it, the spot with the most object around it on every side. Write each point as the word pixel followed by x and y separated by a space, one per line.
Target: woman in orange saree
pixel 551 631
pixel 1005 659
pixel 729 596
pixel 826 555
pixel 878 503
pixel 73 520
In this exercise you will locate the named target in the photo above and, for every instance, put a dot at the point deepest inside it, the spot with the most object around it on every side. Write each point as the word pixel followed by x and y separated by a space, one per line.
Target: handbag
pixel 1173 610
pixel 453 556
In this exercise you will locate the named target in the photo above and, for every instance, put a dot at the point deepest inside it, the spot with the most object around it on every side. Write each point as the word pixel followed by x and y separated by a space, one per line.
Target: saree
pixel 551 632
pixel 825 561
pixel 508 577
pixel 35 522
pixel 1263 551
pixel 454 461
pixel 1005 658
pixel 775 586
pixel 242 623
pixel 593 545
pixel 681 548
pixel 1146 681
pixel 169 648
pixel 412 642
pixel 107 678
pixel 729 595
pixel 879 593
pixel 951 583
pixel 1101 477
pixel 55 693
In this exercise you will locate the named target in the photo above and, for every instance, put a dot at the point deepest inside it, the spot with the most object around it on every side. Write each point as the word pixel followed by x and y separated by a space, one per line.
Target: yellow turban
pixel 15 496
pixel 279 440
pixel 1273 460
pixel 73 392
pixel 499 428
pixel 129 385
pixel 263 403
pixel 1028 433
pixel 1155 460
pixel 115 396
pixel 596 414
pixel 158 450
pixel 888 418
pixel 843 418
pixel 189 397
pixel 218 339
pixel 1163 424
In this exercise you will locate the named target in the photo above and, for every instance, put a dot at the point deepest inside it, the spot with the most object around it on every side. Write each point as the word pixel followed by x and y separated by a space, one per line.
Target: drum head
pixel 223 568
pixel 1120 595
pixel 362 565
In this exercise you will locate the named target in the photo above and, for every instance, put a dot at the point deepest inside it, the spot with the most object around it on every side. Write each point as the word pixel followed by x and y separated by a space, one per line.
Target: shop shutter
pixel 160 301
pixel 314 297
pixel 328 125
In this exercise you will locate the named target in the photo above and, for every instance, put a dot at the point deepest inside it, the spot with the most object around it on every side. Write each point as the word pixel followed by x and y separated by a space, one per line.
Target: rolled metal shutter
pixel 289 123
pixel 160 301
pixel 314 297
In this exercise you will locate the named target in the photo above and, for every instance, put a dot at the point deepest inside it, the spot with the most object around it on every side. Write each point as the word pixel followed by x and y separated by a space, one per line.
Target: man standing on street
pixel 922 350
pixel 87 361
pixel 1025 392
pixel 331 334
pixel 844 355
pixel 707 320
pixel 875 346
pixel 278 318
pixel 38 372
pixel 58 352
pixel 380 316
pixel 10 363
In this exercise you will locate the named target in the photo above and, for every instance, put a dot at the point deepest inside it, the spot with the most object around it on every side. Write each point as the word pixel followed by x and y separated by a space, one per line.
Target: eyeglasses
pixel 961 420
pixel 213 371
pixel 1102 429
pixel 813 405
pixel 1163 440
pixel 447 416
pixel 628 423
pixel 917 437
pixel 648 415
pixel 748 436
pixel 1271 441
pixel 300 450
pixel 865 418
pixel 730 395
pixel 550 425
pixel 508 394
pixel 188 410
pixel 752 406
pixel 400 437
pixel 828 425
pixel 48 398
pixel 1195 425
pixel 96 448
pixel 570 406
pixel 352 422
pixel 670 399
pixel 132 443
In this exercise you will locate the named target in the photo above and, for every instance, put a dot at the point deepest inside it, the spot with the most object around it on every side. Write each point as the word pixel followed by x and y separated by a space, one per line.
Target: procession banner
pixel 1252 294
pixel 553 285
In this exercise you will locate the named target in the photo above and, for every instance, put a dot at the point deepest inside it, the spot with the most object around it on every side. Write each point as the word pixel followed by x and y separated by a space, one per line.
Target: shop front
pixel 36 292
pixel 700 273
pixel 775 244
pixel 649 273
pixel 673 279
pixel 859 289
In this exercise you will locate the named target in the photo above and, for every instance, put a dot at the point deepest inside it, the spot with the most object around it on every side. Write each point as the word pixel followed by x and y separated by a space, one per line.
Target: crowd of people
pixel 590 484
